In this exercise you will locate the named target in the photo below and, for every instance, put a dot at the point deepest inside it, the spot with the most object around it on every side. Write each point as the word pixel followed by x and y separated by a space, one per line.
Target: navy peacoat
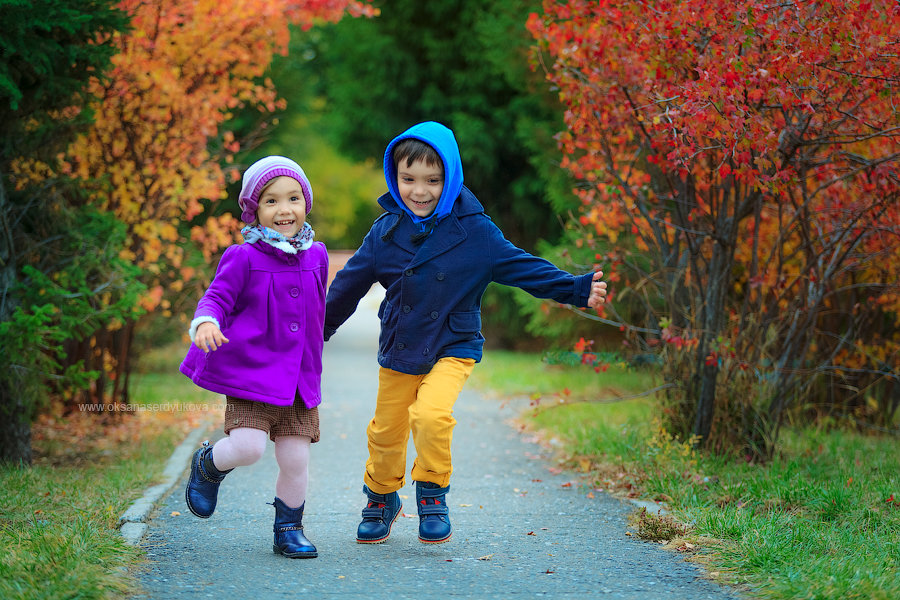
pixel 432 304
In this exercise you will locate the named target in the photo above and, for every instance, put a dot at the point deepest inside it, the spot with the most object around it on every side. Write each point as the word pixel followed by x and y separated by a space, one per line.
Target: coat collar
pixel 447 234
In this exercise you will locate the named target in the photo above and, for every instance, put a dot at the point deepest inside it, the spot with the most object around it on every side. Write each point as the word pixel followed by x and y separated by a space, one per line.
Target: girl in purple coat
pixel 257 339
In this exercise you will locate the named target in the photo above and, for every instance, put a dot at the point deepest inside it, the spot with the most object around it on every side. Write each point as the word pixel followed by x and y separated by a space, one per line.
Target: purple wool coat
pixel 271 307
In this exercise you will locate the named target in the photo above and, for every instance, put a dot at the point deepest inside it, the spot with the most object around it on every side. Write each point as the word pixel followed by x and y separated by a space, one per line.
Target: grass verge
pixel 59 533
pixel 820 521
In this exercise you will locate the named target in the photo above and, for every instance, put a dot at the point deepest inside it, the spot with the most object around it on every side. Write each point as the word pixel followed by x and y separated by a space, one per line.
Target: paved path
pixel 518 533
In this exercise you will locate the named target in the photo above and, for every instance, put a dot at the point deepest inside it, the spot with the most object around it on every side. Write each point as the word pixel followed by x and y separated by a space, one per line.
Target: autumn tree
pixel 738 168
pixel 158 155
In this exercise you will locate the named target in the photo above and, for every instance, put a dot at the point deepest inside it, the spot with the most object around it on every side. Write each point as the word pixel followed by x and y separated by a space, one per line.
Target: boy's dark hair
pixel 413 150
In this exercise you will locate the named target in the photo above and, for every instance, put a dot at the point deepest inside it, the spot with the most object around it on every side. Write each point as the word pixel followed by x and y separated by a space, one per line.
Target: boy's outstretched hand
pixel 598 291
pixel 209 337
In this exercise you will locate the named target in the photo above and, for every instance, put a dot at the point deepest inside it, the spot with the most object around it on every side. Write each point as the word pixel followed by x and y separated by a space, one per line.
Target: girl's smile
pixel 282 206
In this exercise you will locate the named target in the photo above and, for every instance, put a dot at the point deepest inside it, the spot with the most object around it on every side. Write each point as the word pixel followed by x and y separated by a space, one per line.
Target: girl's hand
pixel 209 337
pixel 598 291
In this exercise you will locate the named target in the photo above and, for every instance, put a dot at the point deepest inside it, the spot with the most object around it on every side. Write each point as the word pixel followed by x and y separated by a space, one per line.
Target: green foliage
pixel 466 64
pixel 48 49
pixel 73 284
pixel 344 190
pixel 30 346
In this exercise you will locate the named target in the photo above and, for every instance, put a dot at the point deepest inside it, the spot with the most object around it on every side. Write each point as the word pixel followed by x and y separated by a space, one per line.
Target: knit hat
pixel 261 173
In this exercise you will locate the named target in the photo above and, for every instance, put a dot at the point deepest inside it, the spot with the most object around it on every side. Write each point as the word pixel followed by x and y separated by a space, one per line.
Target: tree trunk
pixel 15 428
pixel 719 272
pixel 15 424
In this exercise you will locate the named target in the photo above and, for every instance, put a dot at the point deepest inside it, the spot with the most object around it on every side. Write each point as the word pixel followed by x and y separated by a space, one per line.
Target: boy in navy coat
pixel 434 251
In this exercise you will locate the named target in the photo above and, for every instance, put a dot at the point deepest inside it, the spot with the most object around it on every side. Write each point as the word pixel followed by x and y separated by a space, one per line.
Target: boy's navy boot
pixel 289 538
pixel 203 486
pixel 434 515
pixel 378 516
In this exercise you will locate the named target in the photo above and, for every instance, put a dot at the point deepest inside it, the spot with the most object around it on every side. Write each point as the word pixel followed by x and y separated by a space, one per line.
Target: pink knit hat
pixel 261 173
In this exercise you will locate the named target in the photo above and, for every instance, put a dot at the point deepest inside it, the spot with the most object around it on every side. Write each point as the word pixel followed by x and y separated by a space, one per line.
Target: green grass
pixel 59 533
pixel 522 374
pixel 814 523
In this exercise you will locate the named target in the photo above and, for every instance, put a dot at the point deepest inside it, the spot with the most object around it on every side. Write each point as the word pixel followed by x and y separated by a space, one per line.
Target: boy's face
pixel 282 206
pixel 420 186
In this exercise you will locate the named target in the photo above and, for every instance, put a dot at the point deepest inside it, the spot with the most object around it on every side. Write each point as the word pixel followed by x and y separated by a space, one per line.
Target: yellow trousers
pixel 422 405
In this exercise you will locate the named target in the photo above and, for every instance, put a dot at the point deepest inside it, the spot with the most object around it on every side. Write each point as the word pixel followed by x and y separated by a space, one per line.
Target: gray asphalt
pixel 518 532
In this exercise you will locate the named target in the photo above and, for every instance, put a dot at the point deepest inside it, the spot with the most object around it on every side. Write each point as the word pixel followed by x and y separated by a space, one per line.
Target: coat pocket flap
pixel 465 322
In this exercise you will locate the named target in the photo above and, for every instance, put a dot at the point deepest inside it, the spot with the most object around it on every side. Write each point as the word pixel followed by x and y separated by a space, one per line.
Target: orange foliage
pixel 179 74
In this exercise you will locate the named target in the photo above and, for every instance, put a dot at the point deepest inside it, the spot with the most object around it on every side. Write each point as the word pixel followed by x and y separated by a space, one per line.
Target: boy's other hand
pixel 598 291
pixel 209 337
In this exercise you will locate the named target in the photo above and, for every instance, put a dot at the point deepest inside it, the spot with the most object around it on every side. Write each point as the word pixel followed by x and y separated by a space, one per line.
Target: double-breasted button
pixel 408 272
pixel 401 346
pixel 434 315
pixel 295 326
pixel 407 308
pixel 295 292
pixel 292 261
pixel 440 276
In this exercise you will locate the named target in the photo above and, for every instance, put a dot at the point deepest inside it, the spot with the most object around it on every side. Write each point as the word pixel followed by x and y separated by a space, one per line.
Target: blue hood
pixel 442 140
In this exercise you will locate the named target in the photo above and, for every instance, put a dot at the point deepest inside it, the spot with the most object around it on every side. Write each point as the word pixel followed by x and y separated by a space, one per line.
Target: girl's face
pixel 420 186
pixel 282 206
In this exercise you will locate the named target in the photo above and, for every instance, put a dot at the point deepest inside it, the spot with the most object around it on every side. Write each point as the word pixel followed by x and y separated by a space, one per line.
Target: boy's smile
pixel 420 186
pixel 282 206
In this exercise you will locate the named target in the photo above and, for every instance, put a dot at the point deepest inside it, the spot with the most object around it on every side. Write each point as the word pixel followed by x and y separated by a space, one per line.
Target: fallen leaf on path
pixel 485 557
pixel 174 513
pixel 531 533
pixel 465 505
pixel 408 516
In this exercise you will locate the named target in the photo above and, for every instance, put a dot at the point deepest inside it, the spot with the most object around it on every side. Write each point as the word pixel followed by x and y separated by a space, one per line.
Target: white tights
pixel 244 446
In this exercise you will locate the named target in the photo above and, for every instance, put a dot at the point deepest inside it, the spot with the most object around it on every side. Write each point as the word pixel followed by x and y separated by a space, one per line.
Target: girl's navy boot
pixel 434 515
pixel 289 538
pixel 378 516
pixel 203 485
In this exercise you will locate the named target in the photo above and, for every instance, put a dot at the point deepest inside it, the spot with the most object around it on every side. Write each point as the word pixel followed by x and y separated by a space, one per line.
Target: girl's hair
pixel 414 150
